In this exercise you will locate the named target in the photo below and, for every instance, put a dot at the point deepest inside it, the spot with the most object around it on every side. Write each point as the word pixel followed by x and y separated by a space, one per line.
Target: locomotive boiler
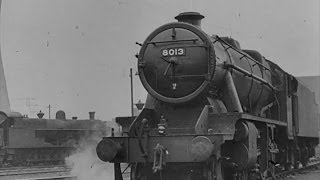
pixel 214 111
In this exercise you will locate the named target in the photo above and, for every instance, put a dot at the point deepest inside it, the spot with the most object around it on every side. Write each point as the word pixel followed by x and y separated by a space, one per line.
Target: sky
pixel 76 54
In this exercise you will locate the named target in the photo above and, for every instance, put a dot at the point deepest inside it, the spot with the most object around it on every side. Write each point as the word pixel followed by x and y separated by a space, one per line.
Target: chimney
pixel 91 115
pixel 4 103
pixel 193 18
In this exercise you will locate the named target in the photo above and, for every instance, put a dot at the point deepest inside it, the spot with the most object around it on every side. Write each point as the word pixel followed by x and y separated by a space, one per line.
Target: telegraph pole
pixel 49 110
pixel 131 91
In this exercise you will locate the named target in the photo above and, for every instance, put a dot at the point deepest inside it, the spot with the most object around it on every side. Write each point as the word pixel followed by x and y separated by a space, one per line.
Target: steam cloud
pixel 87 166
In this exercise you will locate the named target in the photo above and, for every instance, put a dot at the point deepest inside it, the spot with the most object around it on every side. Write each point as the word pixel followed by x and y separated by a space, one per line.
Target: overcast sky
pixel 76 54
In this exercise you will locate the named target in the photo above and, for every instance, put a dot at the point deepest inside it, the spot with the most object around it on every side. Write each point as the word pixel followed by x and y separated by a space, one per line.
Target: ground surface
pixel 309 175
pixel 312 174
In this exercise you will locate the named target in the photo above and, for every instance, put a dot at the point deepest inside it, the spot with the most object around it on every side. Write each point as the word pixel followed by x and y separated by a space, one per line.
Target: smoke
pixel 87 166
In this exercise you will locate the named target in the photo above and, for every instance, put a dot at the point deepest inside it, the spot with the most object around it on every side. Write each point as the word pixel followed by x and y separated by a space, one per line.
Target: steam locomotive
pixel 213 111
pixel 37 141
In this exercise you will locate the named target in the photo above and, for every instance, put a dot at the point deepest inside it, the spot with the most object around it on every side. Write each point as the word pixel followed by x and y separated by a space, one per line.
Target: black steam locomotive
pixel 37 141
pixel 214 111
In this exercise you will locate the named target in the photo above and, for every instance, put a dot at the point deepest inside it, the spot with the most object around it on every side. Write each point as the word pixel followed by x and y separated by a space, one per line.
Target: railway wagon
pixel 35 141
pixel 214 111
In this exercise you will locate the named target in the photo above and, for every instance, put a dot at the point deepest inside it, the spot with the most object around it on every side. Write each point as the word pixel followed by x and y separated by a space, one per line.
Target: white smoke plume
pixel 87 166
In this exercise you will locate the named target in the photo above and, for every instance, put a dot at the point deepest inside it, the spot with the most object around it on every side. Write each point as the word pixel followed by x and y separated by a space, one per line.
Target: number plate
pixel 173 52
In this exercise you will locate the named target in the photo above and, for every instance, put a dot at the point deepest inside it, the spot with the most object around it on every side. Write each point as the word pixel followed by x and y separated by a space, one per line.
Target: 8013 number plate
pixel 173 52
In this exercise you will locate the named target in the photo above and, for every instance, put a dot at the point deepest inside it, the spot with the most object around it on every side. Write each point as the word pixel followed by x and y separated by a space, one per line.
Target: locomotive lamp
pixel 40 115
pixel 200 148
pixel 162 126
pixel 139 105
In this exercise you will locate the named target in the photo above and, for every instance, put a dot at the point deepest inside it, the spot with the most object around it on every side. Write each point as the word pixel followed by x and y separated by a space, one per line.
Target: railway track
pixel 31 168
pixel 315 163
pixel 310 166
pixel 52 178
pixel 63 172
pixel 36 173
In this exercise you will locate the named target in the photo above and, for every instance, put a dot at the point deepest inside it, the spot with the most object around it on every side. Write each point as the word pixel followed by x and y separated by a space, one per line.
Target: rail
pixel 52 178
pixel 32 170
pixel 37 172
pixel 285 174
